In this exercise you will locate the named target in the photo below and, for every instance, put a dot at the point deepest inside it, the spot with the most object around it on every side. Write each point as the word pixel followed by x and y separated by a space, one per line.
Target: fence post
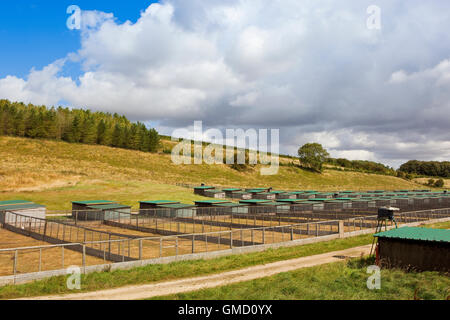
pixel 62 256
pixel 84 258
pixel 40 259
pixel 292 233
pixel 45 231
pixel 341 229
pixel 15 261
pixel 264 235
pixel 140 249
pixel 109 247
pixel 160 247
pixel 231 239
pixel 193 244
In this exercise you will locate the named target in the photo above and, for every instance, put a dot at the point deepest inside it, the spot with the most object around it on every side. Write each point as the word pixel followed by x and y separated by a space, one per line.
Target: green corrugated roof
pixel 232 190
pixel 204 188
pixel 415 233
pixel 212 201
pixel 157 202
pixel 254 201
pixel 21 207
pixel 109 207
pixel 277 192
pixel 231 204
pixel 177 206
pixel 14 202
pixel 291 200
pixel 93 202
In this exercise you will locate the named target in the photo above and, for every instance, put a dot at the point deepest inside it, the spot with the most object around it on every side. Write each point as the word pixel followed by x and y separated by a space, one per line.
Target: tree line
pixel 362 165
pixel 75 126
pixel 427 168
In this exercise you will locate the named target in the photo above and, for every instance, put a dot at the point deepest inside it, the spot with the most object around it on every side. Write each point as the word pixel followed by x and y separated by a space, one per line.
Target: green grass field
pixel 56 173
pixel 336 281
pixel 184 269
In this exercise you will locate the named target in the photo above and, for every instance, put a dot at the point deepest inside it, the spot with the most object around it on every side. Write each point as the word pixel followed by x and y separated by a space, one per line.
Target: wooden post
pixel 109 248
pixel 193 244
pixel 140 249
pixel 341 229
pixel 160 247
pixel 16 253
pixel 45 231
pixel 62 256
pixel 40 259
pixel 231 239
pixel 84 258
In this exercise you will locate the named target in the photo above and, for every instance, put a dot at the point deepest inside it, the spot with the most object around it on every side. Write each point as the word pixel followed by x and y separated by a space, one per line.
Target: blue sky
pixel 318 70
pixel 34 33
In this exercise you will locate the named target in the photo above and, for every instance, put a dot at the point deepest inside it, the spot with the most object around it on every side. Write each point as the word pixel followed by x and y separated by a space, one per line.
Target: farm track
pixel 221 279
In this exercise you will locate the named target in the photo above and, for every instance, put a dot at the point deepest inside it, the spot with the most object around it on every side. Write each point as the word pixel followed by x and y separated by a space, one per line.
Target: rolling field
pixel 56 173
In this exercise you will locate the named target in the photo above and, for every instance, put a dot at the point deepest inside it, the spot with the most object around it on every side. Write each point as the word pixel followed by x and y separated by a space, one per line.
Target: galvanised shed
pixel 201 190
pixel 9 209
pixel 179 210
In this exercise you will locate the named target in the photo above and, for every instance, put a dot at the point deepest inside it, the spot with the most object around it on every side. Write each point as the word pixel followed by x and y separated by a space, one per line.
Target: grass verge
pixel 184 269
pixel 336 281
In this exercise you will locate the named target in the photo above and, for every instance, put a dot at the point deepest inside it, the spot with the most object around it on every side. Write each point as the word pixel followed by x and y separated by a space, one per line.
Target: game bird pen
pixel 148 234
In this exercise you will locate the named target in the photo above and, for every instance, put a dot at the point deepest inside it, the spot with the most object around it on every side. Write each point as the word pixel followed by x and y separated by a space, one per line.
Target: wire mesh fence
pixel 76 245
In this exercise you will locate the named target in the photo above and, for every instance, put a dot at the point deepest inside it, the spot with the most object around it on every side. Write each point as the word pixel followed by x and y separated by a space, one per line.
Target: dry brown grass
pixel 39 166
pixel 28 260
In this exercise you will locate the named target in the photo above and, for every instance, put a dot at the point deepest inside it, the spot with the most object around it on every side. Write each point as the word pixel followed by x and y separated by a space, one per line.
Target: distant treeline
pixel 363 166
pixel 75 126
pixel 427 168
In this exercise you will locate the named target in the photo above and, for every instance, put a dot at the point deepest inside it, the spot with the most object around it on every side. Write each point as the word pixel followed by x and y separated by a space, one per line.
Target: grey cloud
pixel 310 68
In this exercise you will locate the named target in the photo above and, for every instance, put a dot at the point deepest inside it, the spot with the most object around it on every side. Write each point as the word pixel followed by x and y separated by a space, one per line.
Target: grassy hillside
pixel 54 173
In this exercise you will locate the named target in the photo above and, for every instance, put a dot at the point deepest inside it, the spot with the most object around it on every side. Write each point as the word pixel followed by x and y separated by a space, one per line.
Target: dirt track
pixel 226 278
